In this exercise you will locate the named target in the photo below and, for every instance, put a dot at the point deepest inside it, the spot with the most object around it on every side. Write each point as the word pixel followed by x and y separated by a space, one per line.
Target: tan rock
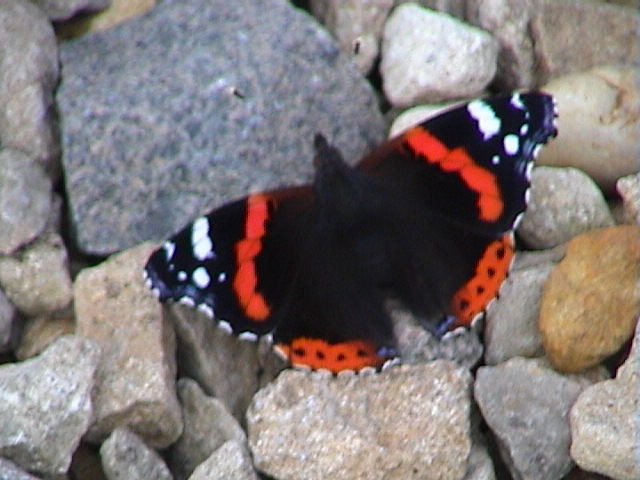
pixel 592 298
pixel 136 377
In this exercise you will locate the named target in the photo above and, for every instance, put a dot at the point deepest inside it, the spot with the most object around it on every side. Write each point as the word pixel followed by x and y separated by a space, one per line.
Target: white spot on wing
pixel 222 277
pixel 169 248
pixel 182 276
pixel 200 240
pixel 524 129
pixel 516 101
pixel 511 144
pixel 488 123
pixel 201 277
pixel 495 159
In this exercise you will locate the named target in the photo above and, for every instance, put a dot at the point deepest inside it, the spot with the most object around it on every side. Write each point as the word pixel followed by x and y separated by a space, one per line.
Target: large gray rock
pixel 408 422
pixel 46 407
pixel 194 103
pixel 231 460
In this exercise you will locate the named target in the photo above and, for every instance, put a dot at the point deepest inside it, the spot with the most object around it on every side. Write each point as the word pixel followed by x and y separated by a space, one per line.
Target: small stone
pixel 45 405
pixel 29 66
pixel 25 198
pixel 598 123
pixel 125 456
pixel 556 25
pixel 37 279
pixel 415 115
pixel 405 422
pixel 207 425
pixel 357 25
pixel 592 298
pixel 604 422
pixel 564 203
pixel 431 57
pixel 512 321
pixel 10 471
pixel 629 189
pixel 8 324
pixel 41 331
pixel 62 9
pixel 526 404
pixel 135 383
pixel 231 460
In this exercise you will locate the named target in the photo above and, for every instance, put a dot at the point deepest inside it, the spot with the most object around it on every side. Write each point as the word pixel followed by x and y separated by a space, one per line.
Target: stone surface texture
pixel 629 189
pixel 407 422
pixel 430 57
pixel 63 9
pixel 231 460
pixel 215 119
pixel 46 406
pixel 135 383
pixel 592 298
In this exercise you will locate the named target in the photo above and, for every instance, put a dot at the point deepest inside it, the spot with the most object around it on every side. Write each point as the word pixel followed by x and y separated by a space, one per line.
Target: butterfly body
pixel 427 218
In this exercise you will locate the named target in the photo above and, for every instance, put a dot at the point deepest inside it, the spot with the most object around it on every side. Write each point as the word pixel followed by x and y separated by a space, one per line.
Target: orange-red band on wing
pixel 245 281
pixel 479 179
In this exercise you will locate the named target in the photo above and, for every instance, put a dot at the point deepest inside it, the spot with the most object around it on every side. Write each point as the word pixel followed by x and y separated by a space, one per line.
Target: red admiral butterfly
pixel 427 218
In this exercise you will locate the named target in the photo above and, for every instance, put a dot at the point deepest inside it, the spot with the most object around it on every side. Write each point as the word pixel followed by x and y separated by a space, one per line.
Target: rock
pixel 135 380
pixel 25 197
pixel 250 130
pixel 598 123
pixel 431 57
pixel 415 115
pixel 37 279
pixel 556 25
pixel 231 460
pixel 455 8
pixel 118 12
pixel 526 403
pixel 45 405
pixel 406 422
pixel 592 298
pixel 8 324
pixel 226 367
pixel 480 466
pixel 512 321
pixel 207 425
pixel 508 22
pixel 41 331
pixel 629 189
pixel 604 422
pixel 63 9
pixel 125 456
pixel 564 203
pixel 29 66
pixel 356 25
pixel 10 471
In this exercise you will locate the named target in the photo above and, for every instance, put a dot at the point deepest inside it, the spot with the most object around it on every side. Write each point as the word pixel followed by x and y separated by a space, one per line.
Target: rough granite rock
pixel 135 382
pixel 592 298
pixel 25 199
pixel 526 405
pixel 41 331
pixel 216 99
pixel 605 428
pixel 10 471
pixel 564 203
pixel 408 422
pixel 231 460
pixel 207 425
pixel 29 66
pixel 125 456
pixel 46 407
pixel 37 280
pixel 430 57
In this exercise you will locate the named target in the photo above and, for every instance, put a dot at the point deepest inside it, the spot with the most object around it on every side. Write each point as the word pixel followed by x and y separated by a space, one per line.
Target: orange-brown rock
pixel 591 300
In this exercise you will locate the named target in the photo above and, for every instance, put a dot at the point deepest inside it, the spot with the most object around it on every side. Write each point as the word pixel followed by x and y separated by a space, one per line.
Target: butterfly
pixel 427 218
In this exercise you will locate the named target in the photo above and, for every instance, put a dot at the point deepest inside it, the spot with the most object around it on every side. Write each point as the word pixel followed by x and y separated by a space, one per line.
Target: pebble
pixel 207 426
pixel 414 115
pixel 25 199
pixel 41 331
pixel 592 298
pixel 231 460
pixel 357 26
pixel 564 203
pixel 10 471
pixel 30 73
pixel 37 280
pixel 169 161
pixel 629 189
pixel 430 57
pixel 135 383
pixel 598 123
pixel 526 403
pixel 604 422
pixel 405 422
pixel 46 406
pixel 125 456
